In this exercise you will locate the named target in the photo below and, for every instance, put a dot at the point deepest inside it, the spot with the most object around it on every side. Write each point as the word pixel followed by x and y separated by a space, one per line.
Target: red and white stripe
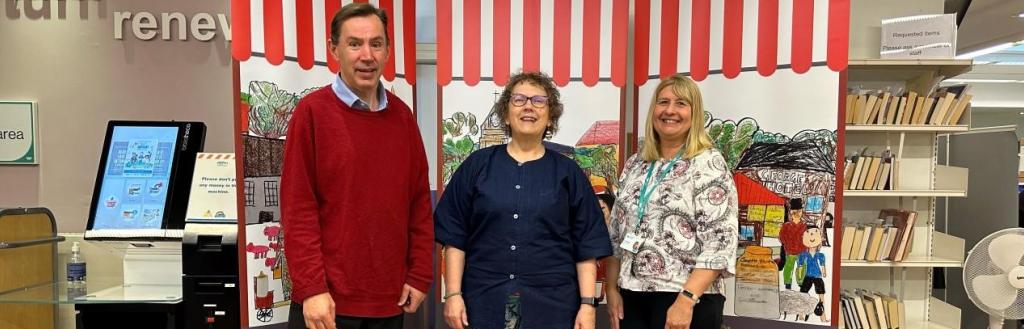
pixel 298 30
pixel 583 40
pixel 705 36
pixel 216 156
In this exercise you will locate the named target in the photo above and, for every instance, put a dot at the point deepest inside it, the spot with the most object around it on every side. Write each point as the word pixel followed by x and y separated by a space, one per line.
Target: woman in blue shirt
pixel 521 225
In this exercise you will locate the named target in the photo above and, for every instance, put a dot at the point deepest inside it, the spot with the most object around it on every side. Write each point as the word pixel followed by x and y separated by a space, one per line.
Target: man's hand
pixel 455 312
pixel 585 317
pixel 411 299
pixel 680 314
pixel 614 307
pixel 318 311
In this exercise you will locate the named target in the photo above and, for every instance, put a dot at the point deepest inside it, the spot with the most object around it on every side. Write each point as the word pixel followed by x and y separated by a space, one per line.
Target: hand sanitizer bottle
pixel 76 268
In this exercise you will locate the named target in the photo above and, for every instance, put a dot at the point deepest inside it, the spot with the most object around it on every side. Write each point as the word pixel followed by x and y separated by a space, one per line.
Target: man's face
pixel 362 51
pixel 796 215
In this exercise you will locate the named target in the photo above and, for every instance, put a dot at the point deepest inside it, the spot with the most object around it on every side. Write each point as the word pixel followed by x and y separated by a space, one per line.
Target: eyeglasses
pixel 537 101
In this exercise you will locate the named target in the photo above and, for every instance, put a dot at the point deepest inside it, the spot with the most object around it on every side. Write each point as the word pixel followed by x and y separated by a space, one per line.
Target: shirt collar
pixel 348 97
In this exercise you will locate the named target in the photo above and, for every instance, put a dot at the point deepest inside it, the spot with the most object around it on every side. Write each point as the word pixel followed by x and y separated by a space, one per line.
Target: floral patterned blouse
pixel 690 222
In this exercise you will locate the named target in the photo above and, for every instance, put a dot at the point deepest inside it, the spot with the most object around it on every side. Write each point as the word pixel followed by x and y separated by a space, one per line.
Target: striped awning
pixel 280 30
pixel 573 40
pixel 705 37
pixel 586 40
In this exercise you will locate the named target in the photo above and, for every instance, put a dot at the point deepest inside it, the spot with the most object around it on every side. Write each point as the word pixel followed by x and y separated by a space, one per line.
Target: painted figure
pixel 791 236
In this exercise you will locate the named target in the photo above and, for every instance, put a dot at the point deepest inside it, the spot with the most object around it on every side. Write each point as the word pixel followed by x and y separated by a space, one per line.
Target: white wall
pixel 63 55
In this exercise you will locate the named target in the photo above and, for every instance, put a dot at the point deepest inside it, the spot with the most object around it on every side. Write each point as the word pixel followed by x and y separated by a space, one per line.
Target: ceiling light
pixel 1021 113
pixel 982 81
pixel 986 51
pixel 1021 15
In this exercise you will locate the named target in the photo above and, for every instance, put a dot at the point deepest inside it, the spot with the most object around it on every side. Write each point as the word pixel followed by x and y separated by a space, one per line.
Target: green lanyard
pixel 646 190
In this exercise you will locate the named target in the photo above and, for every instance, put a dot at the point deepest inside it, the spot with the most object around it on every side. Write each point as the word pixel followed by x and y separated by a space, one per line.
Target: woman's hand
pixel 585 318
pixel 680 314
pixel 614 307
pixel 455 312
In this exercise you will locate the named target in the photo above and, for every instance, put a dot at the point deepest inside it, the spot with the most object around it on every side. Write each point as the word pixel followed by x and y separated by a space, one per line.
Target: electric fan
pixel 994 276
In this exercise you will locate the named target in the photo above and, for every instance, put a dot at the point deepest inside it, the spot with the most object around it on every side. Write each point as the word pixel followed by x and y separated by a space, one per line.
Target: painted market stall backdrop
pixel 768 71
pixel 281 47
pixel 582 45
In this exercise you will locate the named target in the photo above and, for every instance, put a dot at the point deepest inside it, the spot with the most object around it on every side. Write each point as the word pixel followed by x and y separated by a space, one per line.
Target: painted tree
pixel 460 132
pixel 600 161
pixel 732 138
pixel 270 108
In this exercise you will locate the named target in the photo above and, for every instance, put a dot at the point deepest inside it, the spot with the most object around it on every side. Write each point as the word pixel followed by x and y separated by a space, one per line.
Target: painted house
pixel 491 132
pixel 797 169
pixel 263 161
pixel 759 205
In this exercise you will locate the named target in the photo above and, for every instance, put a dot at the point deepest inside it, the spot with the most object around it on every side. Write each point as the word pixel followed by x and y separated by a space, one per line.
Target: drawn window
pixel 250 194
pixel 270 193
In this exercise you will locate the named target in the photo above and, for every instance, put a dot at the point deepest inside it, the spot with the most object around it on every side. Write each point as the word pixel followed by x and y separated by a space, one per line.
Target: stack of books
pixel 864 309
pixel 888 240
pixel 944 107
pixel 867 171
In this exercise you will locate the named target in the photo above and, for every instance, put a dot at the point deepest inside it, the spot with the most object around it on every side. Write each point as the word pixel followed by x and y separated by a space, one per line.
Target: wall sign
pixel 146 25
pixel 18 123
pixel 924 36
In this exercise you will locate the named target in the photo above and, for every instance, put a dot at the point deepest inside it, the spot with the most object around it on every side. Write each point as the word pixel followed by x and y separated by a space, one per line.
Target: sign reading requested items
pixel 925 36
pixel 18 133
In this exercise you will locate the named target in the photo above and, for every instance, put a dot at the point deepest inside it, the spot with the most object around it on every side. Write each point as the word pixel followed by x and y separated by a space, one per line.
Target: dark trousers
pixel 295 321
pixel 647 310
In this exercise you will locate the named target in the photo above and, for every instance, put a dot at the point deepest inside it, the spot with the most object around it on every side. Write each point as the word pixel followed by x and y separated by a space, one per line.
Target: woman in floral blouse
pixel 674 226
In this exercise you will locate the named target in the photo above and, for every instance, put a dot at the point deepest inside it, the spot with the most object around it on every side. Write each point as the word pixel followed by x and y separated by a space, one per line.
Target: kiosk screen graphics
pixel 133 193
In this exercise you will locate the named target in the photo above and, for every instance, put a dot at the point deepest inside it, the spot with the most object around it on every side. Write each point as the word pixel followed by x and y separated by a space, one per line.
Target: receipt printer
pixel 209 257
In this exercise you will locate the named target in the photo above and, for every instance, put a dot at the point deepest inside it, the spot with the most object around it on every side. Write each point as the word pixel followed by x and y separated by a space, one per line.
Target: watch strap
pixel 690 295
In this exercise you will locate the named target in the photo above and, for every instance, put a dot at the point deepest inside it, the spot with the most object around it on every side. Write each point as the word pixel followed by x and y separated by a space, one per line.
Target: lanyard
pixel 646 190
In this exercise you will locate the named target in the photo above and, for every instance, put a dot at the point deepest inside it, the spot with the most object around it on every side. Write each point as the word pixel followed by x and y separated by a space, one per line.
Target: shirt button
pixel 511 276
pixel 517 187
pixel 520 164
pixel 513 247
pixel 515 216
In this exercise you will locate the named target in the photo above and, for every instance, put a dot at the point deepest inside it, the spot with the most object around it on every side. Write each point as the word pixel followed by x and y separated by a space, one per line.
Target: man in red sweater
pixel 355 197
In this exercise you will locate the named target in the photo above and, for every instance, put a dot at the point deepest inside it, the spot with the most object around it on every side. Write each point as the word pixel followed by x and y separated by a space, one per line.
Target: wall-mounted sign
pixel 18 123
pixel 923 36
pixel 146 25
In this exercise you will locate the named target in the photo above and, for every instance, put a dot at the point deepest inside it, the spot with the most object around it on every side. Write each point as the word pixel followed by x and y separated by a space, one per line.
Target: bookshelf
pixel 919 181
pixel 907 128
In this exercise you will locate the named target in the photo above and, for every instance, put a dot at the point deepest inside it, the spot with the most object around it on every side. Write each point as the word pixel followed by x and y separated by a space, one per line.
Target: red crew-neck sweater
pixel 355 205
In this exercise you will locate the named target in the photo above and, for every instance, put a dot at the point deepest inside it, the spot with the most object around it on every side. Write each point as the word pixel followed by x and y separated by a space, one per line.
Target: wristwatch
pixel 690 295
pixel 589 301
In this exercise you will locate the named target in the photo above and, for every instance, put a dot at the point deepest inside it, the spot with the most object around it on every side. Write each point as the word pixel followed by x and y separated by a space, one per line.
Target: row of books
pixel 866 171
pixel 864 309
pixel 888 240
pixel 944 107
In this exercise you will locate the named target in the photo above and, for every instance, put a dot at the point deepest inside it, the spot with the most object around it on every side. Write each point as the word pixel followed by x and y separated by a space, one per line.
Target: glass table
pixel 108 303
pixel 102 291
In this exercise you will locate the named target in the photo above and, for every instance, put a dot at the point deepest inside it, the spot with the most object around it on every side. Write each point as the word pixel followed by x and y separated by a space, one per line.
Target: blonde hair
pixel 697 139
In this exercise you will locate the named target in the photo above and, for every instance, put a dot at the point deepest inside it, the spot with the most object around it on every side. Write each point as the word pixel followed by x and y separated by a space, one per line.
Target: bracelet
pixel 452 294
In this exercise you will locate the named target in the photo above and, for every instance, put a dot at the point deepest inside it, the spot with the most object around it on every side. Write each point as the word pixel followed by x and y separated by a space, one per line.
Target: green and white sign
pixel 18 124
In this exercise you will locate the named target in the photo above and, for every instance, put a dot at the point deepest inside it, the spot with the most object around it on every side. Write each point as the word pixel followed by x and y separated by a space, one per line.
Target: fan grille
pixel 979 263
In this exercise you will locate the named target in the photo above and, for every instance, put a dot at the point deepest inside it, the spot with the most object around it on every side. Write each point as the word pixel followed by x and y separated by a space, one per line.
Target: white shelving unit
pixel 921 180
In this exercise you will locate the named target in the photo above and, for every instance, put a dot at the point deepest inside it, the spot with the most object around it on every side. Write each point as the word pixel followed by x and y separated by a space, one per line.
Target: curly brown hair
pixel 538 79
